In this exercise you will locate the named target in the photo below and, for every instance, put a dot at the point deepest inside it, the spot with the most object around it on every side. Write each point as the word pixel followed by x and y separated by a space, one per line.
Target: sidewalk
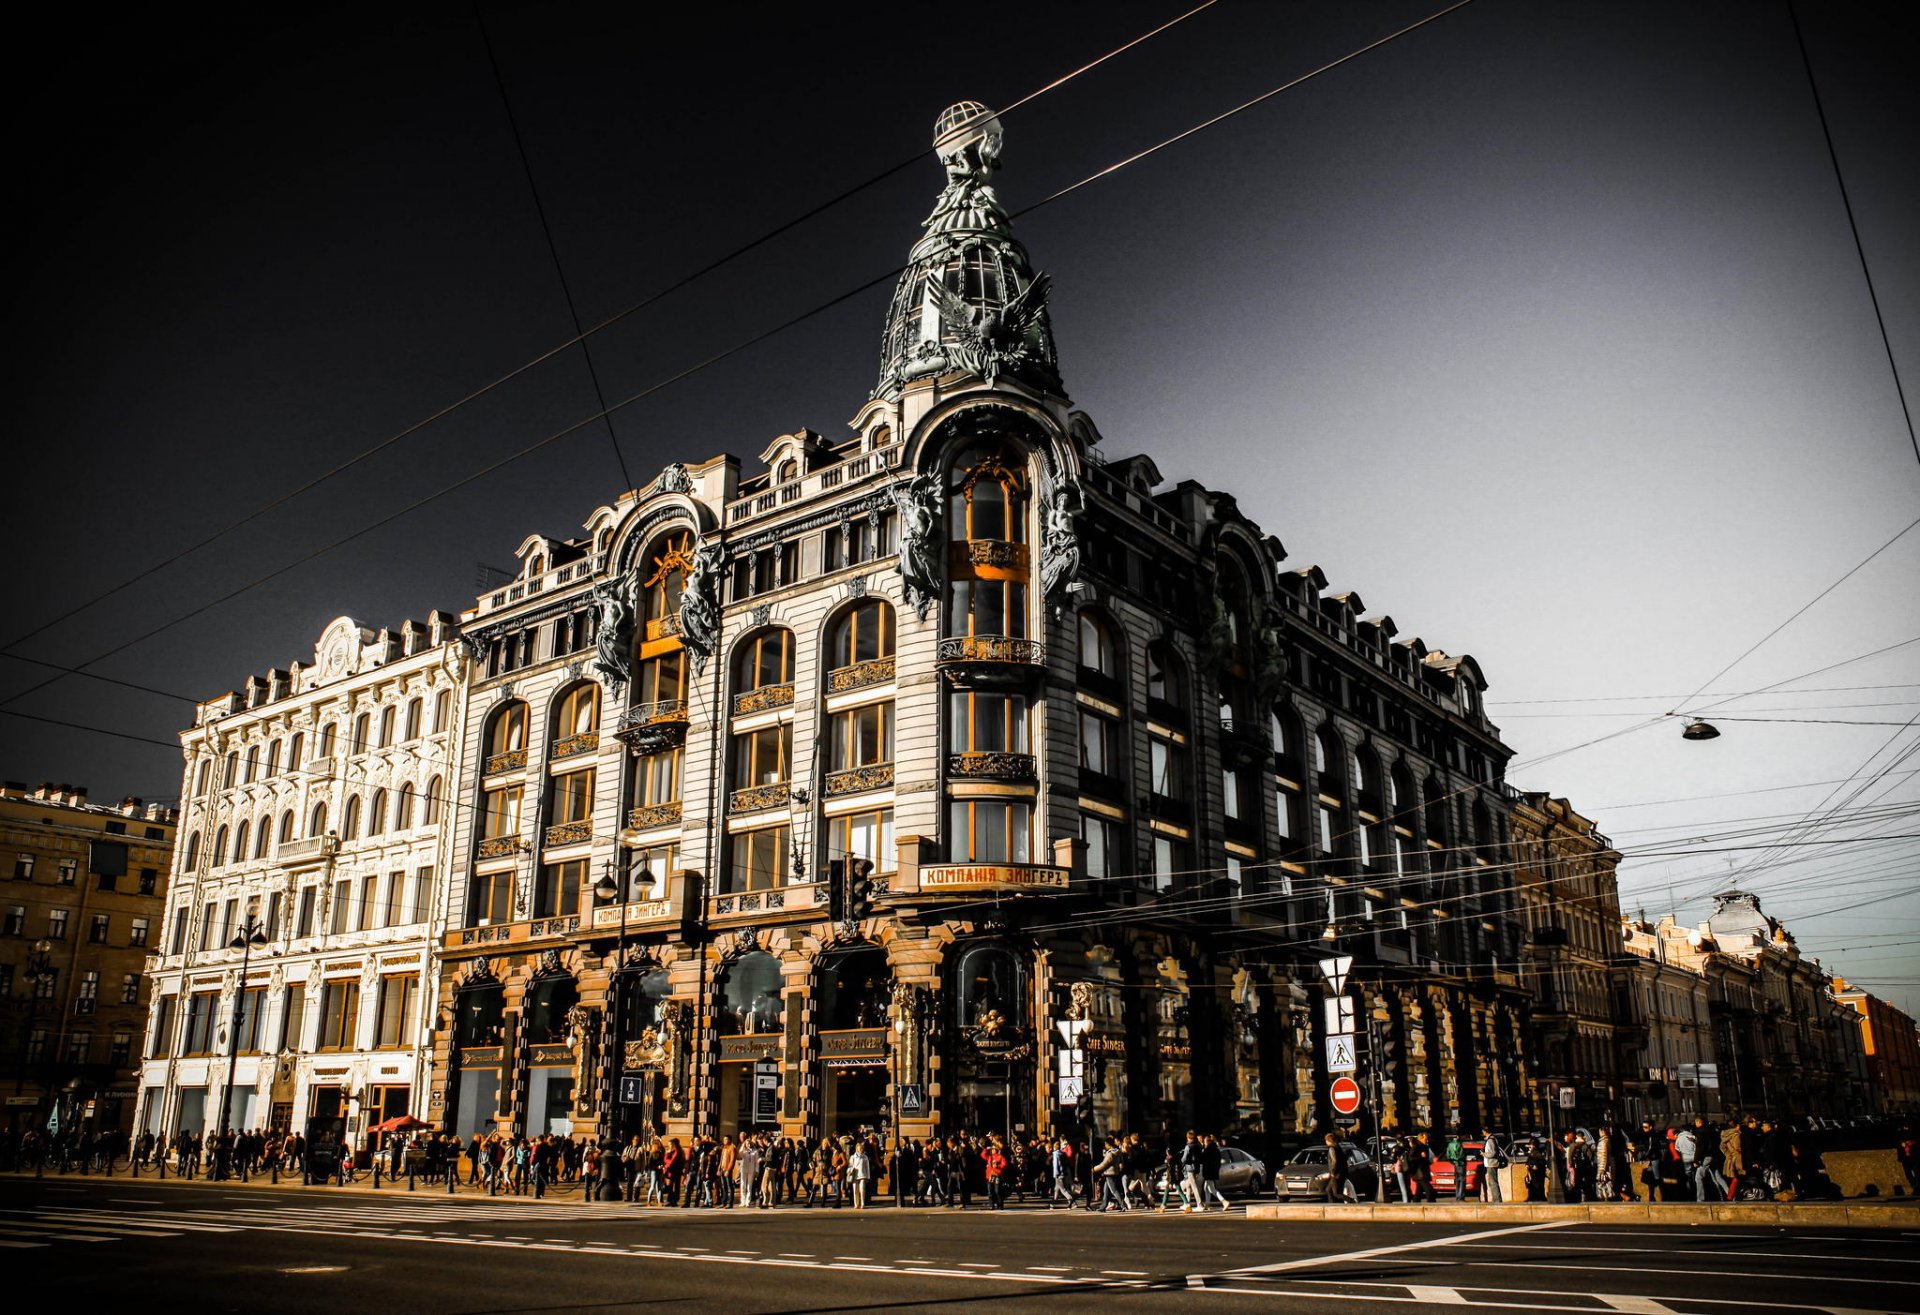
pixel 558 1193
pixel 1820 1214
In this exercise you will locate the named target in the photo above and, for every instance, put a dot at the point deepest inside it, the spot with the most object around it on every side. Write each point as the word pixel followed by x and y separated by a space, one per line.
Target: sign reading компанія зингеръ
pixel 988 875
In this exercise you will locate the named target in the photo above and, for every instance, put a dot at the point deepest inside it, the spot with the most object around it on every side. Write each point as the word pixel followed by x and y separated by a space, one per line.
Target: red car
pixel 1473 1151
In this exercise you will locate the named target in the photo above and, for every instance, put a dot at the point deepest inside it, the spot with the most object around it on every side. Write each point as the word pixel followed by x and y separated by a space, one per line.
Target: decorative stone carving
pixel 614 613
pixel 550 965
pixel 745 941
pixel 579 1024
pixel 700 604
pixel 1080 1001
pixel 1059 544
pixel 674 479
pixel 1269 655
pixel 918 502
pixel 856 587
pixel 762 614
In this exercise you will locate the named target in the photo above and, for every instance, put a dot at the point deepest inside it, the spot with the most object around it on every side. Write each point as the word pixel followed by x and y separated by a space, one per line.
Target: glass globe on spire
pixel 969 300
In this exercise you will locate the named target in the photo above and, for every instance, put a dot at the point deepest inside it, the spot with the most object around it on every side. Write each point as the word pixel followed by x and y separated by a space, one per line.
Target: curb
pixel 1838 1215
pixel 292 1183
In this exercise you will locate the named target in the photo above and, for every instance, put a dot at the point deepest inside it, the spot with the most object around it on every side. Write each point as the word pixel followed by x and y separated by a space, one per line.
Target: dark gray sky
pixel 1541 328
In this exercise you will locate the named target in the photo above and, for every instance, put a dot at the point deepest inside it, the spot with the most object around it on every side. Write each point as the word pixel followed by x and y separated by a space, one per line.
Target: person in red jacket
pixel 995 1163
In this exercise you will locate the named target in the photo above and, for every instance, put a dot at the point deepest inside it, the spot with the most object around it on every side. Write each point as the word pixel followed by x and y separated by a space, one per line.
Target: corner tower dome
pixel 969 300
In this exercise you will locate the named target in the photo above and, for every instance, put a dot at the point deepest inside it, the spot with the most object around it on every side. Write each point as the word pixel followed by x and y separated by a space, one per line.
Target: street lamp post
pixel 899 1075
pixel 252 932
pixel 607 888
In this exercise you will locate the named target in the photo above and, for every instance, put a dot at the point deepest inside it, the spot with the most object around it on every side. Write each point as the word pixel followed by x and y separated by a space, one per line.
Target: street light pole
pixel 252 932
pixel 899 1075
pixel 39 972
pixel 608 888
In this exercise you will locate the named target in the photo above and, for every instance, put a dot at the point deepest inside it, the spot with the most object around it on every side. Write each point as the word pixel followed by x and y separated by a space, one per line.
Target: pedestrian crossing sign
pixel 913 1098
pixel 1340 1056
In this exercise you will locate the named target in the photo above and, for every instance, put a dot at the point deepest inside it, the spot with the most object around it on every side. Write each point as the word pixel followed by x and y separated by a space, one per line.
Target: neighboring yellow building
pixel 1892 1049
pixel 80 907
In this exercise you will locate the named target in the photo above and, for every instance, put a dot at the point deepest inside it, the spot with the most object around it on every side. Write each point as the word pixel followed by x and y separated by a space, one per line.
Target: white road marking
pixel 1125 1273
pixel 1678 1250
pixel 1636 1305
pixel 1312 1262
pixel 1436 1296
pixel 1690 1273
pixel 19 1246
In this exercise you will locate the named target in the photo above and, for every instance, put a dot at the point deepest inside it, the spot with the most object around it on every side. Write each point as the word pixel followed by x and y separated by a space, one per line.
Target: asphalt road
pixel 140 1244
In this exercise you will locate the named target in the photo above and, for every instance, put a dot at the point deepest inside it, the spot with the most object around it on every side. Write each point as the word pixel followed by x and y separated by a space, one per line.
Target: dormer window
pixel 536 564
pixel 786 472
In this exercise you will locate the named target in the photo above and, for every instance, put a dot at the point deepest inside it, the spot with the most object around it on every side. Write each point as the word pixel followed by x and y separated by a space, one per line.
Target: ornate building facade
pixel 1575 964
pixel 84 891
pixel 954 775
pixel 293 977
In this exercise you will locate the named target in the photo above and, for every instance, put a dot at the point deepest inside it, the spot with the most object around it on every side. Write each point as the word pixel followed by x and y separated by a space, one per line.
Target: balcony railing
pixel 647 816
pixel 763 699
pixel 499 846
pixel 510 761
pixel 569 745
pixel 664 627
pixel 857 780
pixel 295 853
pixel 569 833
pixel 756 797
pixel 990 648
pixel 652 727
pixel 990 766
pixel 994 554
pixel 319 769
pixel 878 671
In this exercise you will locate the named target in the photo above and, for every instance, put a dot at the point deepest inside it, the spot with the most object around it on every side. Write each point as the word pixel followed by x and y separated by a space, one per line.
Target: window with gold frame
pixel 762 757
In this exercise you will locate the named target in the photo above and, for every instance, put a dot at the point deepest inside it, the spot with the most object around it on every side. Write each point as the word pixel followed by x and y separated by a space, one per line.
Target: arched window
pixel 989 499
pixel 764 659
pixel 863 634
pixel 1099 647
pixel 660 591
pixel 386 726
pixel 506 734
pixel 362 730
pixel 286 827
pixel 989 978
pixel 578 712
pixel 787 471
pixel 432 817
pixel 752 1000
pixel 1166 676
pixel 230 770
pixel 854 986
pixel 241 835
pixel 192 859
pixel 415 707
pixel 1400 796
pixel 273 758
pixel 1286 734
pixel 1366 775
pixel 1436 811
pixel 1326 760
pixel 377 814
pixel 350 820
pixel 442 710
pixel 295 747
pixel 403 811
pixel 317 821
pixel 253 764
pixel 220 848
pixel 263 838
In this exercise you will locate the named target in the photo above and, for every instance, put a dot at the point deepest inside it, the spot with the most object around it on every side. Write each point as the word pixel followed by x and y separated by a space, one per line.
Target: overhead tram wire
pixel 553 249
pixel 580 338
pixel 717 358
pixel 1853 226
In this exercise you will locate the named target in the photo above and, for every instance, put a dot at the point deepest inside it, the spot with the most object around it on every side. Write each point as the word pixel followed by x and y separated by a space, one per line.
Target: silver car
pixel 1241 1174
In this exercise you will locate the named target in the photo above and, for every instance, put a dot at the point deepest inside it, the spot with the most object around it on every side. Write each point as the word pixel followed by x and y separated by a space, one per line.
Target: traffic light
pixel 837 890
pixel 859 888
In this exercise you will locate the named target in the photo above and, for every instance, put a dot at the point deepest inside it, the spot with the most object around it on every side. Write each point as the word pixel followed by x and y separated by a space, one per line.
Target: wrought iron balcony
pixel 653 727
pixel 510 761
pixel 500 846
pixel 756 797
pixel 569 833
pixel 664 627
pixel 990 648
pixel 569 745
pixel 994 554
pixel 762 699
pixel 860 675
pixel 990 766
pixel 647 816
pixel 856 780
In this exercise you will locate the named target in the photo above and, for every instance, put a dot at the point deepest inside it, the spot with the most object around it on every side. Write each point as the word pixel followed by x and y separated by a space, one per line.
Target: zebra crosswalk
pixel 30 1228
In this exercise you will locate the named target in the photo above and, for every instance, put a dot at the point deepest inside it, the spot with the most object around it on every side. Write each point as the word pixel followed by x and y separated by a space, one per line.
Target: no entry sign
pixel 1345 1095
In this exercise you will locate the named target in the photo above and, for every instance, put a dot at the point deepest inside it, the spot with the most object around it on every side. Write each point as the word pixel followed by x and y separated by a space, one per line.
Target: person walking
pixel 994 1163
pixel 1210 1159
pixel 1060 1167
pixel 1111 1172
pixel 1493 1160
pixel 859 1174
pixel 1420 1169
pixel 1455 1154
pixel 1338 1163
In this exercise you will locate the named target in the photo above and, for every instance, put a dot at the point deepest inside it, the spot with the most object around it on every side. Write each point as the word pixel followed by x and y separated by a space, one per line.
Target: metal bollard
pixel 376 1173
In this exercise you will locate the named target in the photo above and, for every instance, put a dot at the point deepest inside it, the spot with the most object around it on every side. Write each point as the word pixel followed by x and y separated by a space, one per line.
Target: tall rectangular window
pixel 761 757
pixel 160 1044
pixel 1099 744
pixel 369 901
pixel 137 933
pixel 23 866
pixel 656 778
pixel 252 1004
pixel 229 922
pixel 342 905
pixel 421 905
pixel 1167 760
pixel 1105 850
pixel 758 859
pixel 339 1015
pixel 69 871
pixel 394 892
pixel 395 1022
pixel 120 1050
pixel 500 813
pixel 200 1012
pixel 862 737
pixel 181 917
pixel 99 927
pixel 981 721
pixel 491 901
pixel 867 835
pixel 558 894
pixel 1169 861
pixel 57 924
pixel 274 899
pixel 989 831
pixel 87 992
pixel 130 988
pixel 572 798
pixel 293 1017
pixel 16 920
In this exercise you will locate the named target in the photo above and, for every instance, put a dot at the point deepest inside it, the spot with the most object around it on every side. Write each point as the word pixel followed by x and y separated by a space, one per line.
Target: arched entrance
pixel 991 1039
pixel 749 1008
